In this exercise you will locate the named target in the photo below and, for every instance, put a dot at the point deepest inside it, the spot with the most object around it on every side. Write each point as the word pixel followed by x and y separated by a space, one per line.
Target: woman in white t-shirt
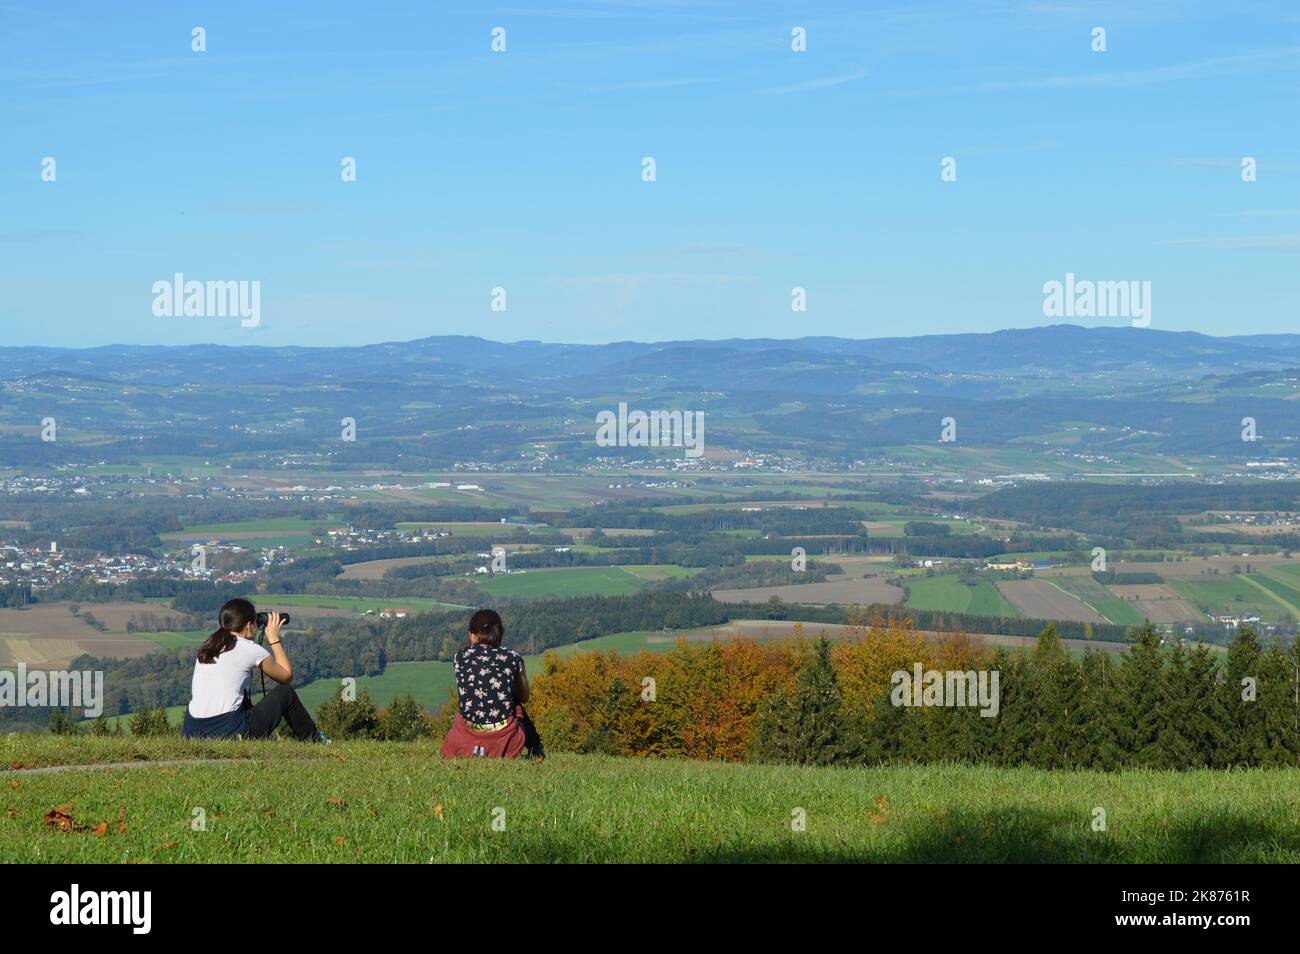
pixel 219 703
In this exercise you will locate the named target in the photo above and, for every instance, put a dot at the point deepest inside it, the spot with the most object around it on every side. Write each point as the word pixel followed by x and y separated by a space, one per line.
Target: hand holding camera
pixel 271 622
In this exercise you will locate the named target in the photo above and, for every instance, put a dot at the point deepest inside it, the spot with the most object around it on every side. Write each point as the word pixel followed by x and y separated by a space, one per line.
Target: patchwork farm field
pixel 48 634
pixel 1157 602
pixel 1039 599
pixel 946 593
pixel 1103 599
pixel 1282 586
pixel 1232 595
pixel 375 569
pixel 277 801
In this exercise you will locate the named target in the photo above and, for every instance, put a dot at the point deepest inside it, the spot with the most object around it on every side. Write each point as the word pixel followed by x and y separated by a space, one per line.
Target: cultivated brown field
pixel 1193 567
pixel 47 635
pixel 1039 599
pixel 1159 603
pixel 374 569
pixel 116 615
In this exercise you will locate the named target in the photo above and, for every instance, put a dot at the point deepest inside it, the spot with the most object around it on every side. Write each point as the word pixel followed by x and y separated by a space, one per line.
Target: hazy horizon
pixel 635 341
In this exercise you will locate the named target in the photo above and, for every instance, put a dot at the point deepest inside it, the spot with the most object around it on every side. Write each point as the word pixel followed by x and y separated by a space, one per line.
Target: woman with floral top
pixel 490 720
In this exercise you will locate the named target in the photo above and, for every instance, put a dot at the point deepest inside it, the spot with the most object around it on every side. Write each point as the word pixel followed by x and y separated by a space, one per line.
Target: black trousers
pixel 281 704
pixel 532 741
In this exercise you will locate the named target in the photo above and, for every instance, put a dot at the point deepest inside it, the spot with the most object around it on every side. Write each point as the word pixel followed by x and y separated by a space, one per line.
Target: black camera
pixel 264 618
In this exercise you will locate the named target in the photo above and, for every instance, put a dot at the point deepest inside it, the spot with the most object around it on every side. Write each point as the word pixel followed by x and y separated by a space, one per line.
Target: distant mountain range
pixel 824 363
pixel 1060 396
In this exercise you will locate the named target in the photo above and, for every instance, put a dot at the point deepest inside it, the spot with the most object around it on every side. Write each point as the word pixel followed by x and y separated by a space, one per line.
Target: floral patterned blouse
pixel 485 680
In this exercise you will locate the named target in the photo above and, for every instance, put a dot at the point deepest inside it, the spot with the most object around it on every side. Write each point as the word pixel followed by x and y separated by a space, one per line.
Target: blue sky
pixel 522 169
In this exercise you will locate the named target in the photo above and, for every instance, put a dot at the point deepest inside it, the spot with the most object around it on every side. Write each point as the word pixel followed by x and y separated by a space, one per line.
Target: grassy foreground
pixel 387 802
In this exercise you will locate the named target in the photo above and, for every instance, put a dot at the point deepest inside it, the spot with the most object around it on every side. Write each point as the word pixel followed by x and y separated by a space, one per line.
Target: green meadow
pixel 946 593
pixel 1233 595
pixel 569 581
pixel 300 525
pixel 281 801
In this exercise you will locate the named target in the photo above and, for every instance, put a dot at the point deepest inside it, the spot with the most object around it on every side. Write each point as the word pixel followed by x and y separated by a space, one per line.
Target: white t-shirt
pixel 219 686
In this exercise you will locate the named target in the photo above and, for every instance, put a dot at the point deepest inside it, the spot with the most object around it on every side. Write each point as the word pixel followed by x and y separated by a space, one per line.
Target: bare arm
pixel 521 687
pixel 277 667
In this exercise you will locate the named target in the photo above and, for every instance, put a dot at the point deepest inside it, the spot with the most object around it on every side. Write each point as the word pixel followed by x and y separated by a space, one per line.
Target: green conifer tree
pixel 1141 691
pixel 807 726
pixel 1239 693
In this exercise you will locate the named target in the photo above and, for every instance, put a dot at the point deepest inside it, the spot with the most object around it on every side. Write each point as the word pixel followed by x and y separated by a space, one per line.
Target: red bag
pixel 463 742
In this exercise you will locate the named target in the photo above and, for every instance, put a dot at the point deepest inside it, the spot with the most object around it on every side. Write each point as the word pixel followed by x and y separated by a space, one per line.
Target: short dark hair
pixel 487 626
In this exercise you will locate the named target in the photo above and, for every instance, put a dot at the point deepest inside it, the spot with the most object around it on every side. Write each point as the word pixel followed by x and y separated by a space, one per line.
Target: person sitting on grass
pixel 219 705
pixel 490 720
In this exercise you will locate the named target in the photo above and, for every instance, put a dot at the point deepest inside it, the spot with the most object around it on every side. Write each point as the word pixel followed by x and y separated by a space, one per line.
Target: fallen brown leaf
pixel 339 840
pixel 61 818
pixel 101 829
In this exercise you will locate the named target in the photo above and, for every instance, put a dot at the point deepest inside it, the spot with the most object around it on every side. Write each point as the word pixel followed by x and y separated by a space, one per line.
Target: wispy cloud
pixel 656 84
pixel 1279 243
pixel 825 82
pixel 1254 61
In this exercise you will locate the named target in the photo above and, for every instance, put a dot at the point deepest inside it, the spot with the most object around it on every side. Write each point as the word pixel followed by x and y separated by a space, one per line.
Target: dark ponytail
pixel 234 616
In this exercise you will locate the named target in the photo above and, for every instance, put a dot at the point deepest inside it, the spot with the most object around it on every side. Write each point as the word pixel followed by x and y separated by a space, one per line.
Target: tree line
pixel 818 702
